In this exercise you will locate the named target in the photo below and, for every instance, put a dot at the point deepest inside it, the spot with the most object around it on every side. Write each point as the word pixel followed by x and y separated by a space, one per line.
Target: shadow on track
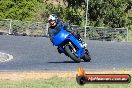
pixel 64 62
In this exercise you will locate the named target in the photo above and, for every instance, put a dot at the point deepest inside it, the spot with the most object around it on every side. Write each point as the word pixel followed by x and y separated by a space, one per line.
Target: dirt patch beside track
pixel 49 74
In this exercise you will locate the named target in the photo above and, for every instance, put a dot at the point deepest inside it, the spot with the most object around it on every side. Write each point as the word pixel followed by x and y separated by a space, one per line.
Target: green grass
pixel 55 83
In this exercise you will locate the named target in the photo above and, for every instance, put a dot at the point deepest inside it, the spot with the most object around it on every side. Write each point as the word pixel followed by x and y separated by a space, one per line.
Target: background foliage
pixel 107 13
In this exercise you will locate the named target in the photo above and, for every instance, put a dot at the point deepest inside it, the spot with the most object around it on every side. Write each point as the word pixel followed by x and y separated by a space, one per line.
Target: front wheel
pixel 86 56
pixel 71 54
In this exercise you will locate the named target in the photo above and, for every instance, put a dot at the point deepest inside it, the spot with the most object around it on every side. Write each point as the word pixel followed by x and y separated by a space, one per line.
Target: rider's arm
pixel 67 27
pixel 50 34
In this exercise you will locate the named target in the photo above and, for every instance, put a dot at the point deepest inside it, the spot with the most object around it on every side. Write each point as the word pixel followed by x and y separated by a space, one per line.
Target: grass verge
pixel 55 82
pixel 54 79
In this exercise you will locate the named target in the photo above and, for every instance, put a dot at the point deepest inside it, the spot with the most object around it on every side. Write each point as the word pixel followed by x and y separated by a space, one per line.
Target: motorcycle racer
pixel 55 26
pixel 67 41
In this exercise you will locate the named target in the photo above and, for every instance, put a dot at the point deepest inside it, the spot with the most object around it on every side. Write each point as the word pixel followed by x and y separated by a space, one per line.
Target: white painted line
pixel 5 57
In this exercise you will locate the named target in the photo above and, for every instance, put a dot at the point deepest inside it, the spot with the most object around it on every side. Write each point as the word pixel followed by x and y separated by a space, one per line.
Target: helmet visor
pixel 52 22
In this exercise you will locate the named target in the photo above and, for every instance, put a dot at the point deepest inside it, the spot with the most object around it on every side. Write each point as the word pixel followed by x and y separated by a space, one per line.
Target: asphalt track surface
pixel 37 53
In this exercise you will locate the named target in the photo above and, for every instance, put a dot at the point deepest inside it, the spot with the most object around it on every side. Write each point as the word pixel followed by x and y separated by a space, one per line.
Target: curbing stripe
pixel 7 57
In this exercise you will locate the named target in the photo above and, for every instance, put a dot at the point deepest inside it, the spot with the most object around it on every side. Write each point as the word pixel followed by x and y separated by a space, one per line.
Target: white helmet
pixel 53 17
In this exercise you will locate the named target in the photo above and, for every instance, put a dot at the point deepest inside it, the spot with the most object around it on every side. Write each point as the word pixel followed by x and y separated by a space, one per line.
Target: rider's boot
pixel 83 43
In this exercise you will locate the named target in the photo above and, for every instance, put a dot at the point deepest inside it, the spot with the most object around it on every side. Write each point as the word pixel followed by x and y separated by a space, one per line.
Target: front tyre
pixel 86 56
pixel 70 53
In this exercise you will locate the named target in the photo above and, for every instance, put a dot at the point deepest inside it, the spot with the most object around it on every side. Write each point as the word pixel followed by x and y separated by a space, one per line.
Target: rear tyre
pixel 69 52
pixel 86 57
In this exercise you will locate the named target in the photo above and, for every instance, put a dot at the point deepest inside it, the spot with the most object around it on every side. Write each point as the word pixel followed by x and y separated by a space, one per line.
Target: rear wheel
pixel 86 56
pixel 71 54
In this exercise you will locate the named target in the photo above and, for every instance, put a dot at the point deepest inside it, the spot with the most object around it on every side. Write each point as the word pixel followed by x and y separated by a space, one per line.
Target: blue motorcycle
pixel 71 46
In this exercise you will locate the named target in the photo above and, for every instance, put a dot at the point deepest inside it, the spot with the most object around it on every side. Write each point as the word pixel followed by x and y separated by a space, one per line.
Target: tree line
pixel 106 13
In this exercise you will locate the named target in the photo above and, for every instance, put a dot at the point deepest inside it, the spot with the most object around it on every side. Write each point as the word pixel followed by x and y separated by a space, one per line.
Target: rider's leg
pixel 76 35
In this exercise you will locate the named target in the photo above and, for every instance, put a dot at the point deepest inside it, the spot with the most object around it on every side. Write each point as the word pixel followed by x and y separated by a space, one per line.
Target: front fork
pixel 75 50
pixel 61 48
